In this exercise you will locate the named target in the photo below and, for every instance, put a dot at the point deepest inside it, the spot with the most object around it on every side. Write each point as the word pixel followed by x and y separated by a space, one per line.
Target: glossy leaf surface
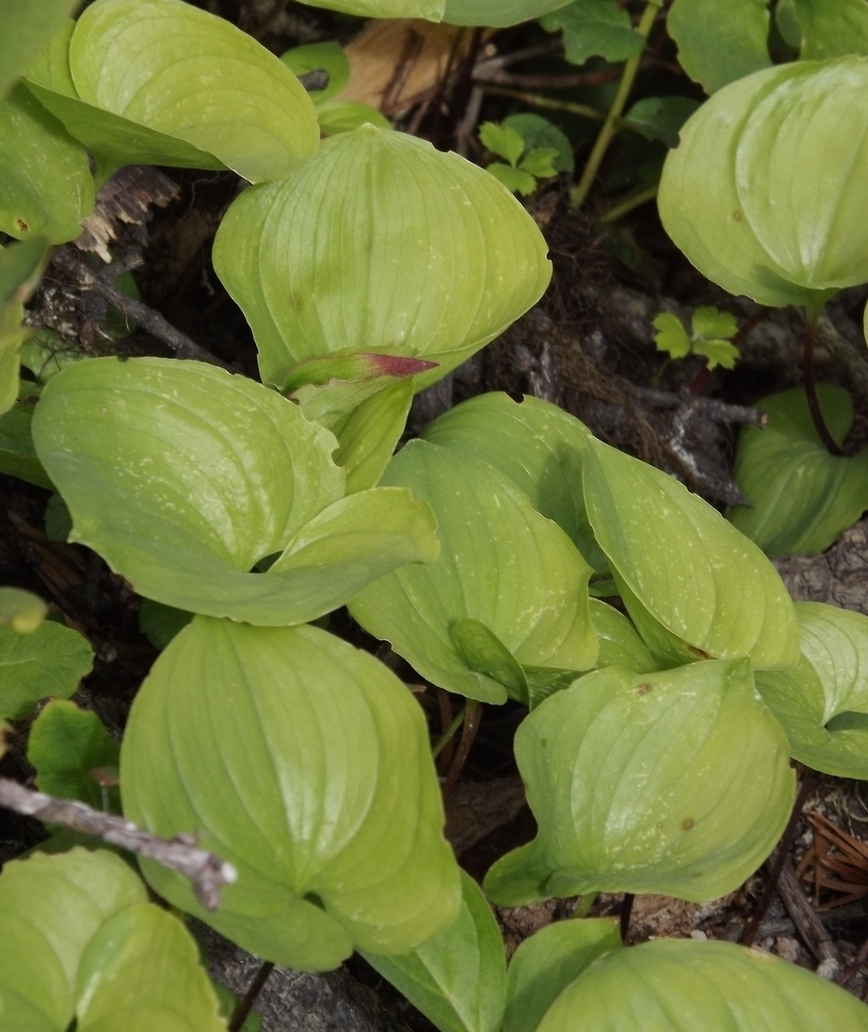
pixel 802 497
pixel 311 772
pixel 501 563
pixel 700 206
pixel 683 563
pixel 677 985
pixel 537 446
pixel 47 185
pixel 26 28
pixel 550 960
pixel 184 477
pixel 50 660
pixel 675 782
pixel 66 745
pixel 720 41
pixel 40 955
pixel 458 978
pixel 822 703
pixel 341 256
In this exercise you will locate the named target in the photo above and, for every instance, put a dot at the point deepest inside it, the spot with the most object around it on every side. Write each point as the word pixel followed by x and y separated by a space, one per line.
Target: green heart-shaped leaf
pixel 596 27
pixel 677 985
pixel 342 255
pixel 310 771
pixel 822 703
pixel 458 978
pixel 142 970
pixel 675 782
pixel 548 961
pixel 701 208
pixel 165 67
pixel 184 478
pixel 537 446
pixel 501 564
pixel 684 564
pixel 50 660
pixel 802 497
pixel 66 744
pixel 800 166
pixel 720 41
pixel 50 909
pixel 47 185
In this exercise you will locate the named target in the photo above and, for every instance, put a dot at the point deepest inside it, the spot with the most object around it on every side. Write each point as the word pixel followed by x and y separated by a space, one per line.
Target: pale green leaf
pixel 66 744
pixel 800 167
pixel 803 498
pixel 675 782
pixel 310 771
pixel 185 478
pixel 342 256
pixel 660 118
pixel 678 985
pixel 718 352
pixel 709 321
pixel 671 335
pixel 342 116
pixel 457 979
pixel 514 179
pixel 702 210
pixel 26 28
pixel 50 660
pixel 596 28
pixel 497 13
pixel 141 972
pixel 502 141
pixel 720 41
pixel 539 162
pixel 831 28
pixel 822 703
pixel 170 67
pixel 620 644
pixel 50 909
pixel 539 132
pixel 501 563
pixel 534 444
pixel 328 57
pixel 550 960
pixel 47 185
pixel 684 564
pixel 21 610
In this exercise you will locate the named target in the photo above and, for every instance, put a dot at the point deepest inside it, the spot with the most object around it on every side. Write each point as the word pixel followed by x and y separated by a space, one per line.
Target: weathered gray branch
pixel 207 872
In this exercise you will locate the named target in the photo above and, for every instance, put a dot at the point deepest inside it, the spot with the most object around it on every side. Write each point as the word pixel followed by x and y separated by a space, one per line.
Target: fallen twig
pixel 207 872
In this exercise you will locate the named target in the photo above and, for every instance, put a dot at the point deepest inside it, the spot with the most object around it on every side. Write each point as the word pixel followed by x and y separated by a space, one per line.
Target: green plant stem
pixel 446 737
pixel 584 904
pixel 811 388
pixel 629 203
pixel 580 191
pixel 540 101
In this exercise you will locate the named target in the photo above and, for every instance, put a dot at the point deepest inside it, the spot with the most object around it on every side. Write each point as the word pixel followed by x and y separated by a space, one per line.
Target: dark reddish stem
pixel 784 846
pixel 472 719
pixel 246 1005
pixel 811 388
pixel 626 911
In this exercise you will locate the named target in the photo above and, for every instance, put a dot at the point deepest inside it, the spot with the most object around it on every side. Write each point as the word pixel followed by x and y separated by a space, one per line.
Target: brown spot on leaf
pixel 737 216
pixel 687 823
pixel 699 653
pixel 22 225
pixel 643 689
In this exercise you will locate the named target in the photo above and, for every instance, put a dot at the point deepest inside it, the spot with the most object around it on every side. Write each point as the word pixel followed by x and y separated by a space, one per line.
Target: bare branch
pixel 207 872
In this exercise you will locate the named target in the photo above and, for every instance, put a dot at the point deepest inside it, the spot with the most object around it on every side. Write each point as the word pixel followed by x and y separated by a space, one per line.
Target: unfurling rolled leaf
pixel 822 702
pixel 676 782
pixel 766 191
pixel 160 81
pixel 801 497
pixel 709 590
pixel 677 985
pixel 342 255
pixel 185 478
pixel 310 770
pixel 501 564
